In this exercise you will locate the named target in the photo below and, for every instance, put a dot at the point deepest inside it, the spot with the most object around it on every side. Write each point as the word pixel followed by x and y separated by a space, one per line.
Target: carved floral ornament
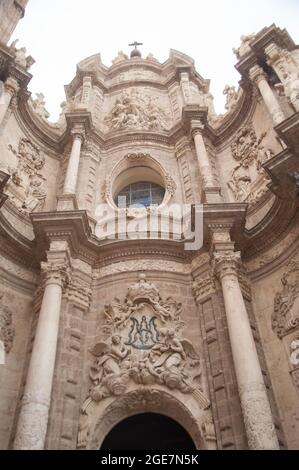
pixel 248 181
pixel 285 317
pixel 143 346
pixel 26 188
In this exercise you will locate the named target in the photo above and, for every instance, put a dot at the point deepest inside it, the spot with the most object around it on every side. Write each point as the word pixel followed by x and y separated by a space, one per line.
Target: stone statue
pixel 36 196
pixel 232 97
pixel 38 106
pixel 121 57
pixel 245 46
pixel 21 58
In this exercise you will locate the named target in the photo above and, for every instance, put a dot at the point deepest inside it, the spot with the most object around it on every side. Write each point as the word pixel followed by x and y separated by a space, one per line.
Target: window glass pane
pixel 142 193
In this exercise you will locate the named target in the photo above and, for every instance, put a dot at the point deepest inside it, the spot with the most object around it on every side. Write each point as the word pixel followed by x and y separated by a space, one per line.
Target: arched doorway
pixel 148 431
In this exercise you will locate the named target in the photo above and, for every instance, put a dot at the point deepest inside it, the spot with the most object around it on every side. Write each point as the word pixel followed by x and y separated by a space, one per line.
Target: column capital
pixel 257 74
pixel 78 132
pixel 11 85
pixel 197 127
pixel 273 52
pixel 226 263
pixel 56 273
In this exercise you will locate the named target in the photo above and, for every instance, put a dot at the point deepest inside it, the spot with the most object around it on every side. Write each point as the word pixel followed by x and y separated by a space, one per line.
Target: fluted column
pixel 256 409
pixel 7 92
pixel 202 154
pixel 258 76
pixel 70 184
pixel 34 413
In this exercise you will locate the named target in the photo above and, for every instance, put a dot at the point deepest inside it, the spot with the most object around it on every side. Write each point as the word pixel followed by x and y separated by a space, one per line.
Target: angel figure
pixel 172 351
pixel 109 358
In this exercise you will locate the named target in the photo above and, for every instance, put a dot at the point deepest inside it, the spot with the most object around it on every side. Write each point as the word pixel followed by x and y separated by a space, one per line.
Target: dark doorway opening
pixel 148 431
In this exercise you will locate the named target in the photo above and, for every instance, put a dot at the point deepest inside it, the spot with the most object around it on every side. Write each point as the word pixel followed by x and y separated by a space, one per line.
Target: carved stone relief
pixel 249 181
pixel 294 361
pixel 135 109
pixel 26 187
pixel 144 347
pixel 285 317
pixel 7 330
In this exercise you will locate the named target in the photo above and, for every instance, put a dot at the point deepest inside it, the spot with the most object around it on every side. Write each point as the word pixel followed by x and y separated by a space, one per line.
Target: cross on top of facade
pixel 135 43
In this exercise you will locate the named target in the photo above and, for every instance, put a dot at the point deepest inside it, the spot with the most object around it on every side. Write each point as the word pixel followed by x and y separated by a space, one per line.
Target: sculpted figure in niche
pixel 286 303
pixel 36 195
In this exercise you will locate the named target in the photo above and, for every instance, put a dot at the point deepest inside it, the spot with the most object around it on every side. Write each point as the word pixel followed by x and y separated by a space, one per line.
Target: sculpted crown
pixel 143 290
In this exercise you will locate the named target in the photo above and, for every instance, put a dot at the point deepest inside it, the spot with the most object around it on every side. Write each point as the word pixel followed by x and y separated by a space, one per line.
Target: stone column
pixel 70 184
pixel 202 155
pixel 258 76
pixel 7 92
pixel 256 409
pixel 34 412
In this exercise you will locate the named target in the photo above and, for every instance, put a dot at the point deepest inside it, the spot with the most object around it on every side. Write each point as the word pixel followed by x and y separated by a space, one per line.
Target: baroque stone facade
pixel 185 307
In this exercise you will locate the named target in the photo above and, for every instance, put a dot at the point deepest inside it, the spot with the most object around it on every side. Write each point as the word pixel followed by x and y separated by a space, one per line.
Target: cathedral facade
pixel 149 249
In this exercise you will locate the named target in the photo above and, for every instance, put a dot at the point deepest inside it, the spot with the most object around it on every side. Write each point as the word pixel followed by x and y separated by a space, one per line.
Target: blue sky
pixel 60 33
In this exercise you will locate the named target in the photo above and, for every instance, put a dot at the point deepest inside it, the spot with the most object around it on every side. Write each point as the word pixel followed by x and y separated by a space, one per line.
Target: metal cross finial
pixel 135 43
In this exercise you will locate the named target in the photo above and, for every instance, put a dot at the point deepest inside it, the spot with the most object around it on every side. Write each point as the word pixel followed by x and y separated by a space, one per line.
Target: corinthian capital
pixel 11 85
pixel 56 273
pixel 226 263
pixel 78 132
pixel 197 127
pixel 257 74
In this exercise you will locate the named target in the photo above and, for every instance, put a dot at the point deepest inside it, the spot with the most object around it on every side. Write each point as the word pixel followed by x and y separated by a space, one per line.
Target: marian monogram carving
pixel 249 181
pixel 26 187
pixel 286 304
pixel 143 346
pixel 136 110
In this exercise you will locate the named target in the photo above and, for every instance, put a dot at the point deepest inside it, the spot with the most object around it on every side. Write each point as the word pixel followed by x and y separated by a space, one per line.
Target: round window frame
pixel 132 169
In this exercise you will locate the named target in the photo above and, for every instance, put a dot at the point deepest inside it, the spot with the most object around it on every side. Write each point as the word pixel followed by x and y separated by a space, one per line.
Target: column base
pixel 67 202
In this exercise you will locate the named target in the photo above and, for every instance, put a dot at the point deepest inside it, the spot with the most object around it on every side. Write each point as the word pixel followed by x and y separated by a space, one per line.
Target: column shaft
pixel 71 178
pixel 203 160
pixel 271 102
pixel 34 413
pixel 256 409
